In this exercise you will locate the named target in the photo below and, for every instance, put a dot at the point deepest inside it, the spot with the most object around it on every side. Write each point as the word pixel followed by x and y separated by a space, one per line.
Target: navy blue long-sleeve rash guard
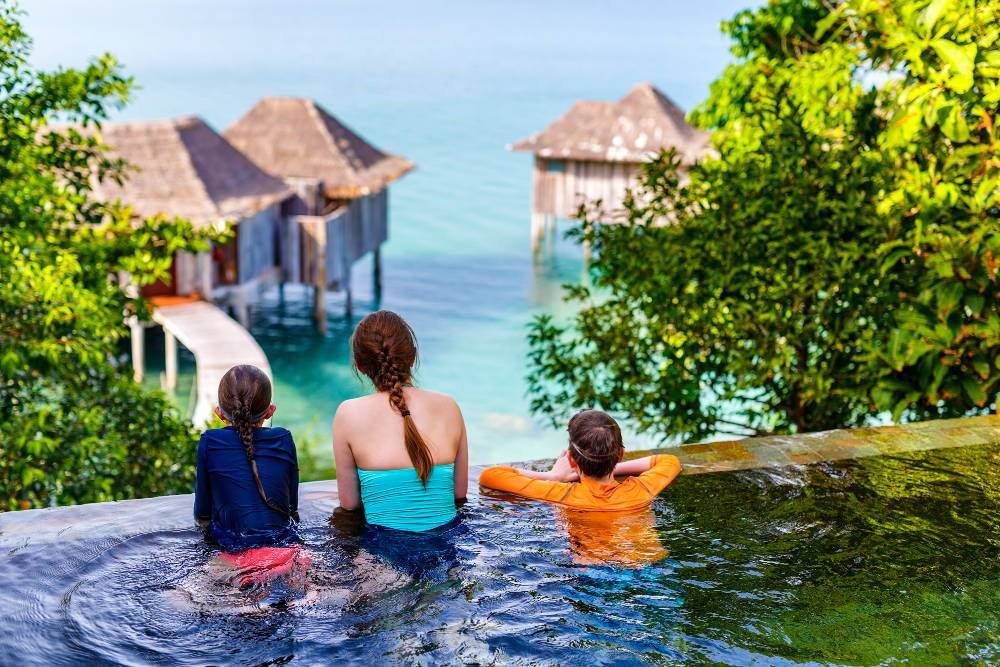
pixel 226 494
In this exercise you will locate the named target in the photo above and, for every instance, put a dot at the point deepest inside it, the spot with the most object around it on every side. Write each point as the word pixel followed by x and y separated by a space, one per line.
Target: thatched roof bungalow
pixel 297 139
pixel 182 167
pixel 592 152
pixel 342 209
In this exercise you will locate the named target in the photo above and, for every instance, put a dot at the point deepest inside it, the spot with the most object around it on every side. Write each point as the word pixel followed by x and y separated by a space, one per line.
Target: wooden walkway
pixel 218 343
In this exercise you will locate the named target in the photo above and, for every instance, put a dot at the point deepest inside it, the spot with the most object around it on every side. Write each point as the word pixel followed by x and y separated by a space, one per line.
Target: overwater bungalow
pixel 593 152
pixel 341 211
pixel 182 167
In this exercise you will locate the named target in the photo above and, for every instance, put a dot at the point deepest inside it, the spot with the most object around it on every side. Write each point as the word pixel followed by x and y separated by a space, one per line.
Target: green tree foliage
pixel 73 426
pixel 833 259
pixel 943 354
pixel 95 437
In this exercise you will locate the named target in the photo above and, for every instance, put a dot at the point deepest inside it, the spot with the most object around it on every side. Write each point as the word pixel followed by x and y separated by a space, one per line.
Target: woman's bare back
pixel 374 430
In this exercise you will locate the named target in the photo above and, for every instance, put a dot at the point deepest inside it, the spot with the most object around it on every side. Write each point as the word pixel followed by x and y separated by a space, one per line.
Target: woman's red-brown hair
pixel 385 350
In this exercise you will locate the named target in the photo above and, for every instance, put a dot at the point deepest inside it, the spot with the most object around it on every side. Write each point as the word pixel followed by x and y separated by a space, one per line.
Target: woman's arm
pixel 462 461
pixel 348 487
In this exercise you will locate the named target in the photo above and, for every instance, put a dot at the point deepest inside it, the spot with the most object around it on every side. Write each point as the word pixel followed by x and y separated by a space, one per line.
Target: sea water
pixel 448 85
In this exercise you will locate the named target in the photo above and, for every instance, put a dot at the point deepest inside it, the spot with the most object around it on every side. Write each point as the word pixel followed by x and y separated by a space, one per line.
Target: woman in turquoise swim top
pixel 402 453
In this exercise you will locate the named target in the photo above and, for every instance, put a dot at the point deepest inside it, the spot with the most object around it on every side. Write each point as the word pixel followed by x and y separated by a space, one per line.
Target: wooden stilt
pixel 537 230
pixel 348 297
pixel 205 275
pixel 170 351
pixel 319 307
pixel 138 349
pixel 241 307
pixel 377 270
pixel 319 296
pixel 586 252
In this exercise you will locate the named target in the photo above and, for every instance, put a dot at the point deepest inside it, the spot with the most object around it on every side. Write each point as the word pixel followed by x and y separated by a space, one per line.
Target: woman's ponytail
pixel 416 448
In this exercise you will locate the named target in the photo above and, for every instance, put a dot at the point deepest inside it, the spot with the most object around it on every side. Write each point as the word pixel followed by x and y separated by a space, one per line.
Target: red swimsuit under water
pixel 263 564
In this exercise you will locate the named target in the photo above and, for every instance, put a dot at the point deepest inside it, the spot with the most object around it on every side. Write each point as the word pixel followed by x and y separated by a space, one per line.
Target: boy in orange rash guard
pixel 583 477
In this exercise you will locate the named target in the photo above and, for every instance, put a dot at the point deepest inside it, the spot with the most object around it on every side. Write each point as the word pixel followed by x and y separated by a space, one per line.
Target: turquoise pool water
pixel 446 84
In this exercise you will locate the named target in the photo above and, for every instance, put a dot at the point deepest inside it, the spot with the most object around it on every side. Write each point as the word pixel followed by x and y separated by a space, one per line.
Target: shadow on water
pixel 872 561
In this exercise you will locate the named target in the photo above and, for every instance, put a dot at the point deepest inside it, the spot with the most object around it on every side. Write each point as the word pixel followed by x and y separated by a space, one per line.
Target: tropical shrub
pixel 833 260
pixel 73 426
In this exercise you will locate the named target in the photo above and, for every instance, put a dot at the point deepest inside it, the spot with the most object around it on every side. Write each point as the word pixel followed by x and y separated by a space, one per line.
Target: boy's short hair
pixel 595 441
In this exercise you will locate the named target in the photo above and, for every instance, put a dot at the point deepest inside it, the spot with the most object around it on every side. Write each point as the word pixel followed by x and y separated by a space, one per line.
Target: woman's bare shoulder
pixel 437 399
pixel 350 408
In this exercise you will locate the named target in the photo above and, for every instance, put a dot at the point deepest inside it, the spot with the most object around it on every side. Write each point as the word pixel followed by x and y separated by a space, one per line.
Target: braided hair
pixel 244 397
pixel 385 350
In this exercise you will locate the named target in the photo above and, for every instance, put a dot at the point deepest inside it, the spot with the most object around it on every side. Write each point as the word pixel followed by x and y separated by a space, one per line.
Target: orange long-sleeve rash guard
pixel 632 493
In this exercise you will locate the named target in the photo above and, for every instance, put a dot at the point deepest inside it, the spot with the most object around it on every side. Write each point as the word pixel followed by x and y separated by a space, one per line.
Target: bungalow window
pixel 555 166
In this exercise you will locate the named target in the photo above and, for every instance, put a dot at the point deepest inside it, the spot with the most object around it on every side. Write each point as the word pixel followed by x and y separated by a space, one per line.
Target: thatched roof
pixel 294 137
pixel 185 168
pixel 633 129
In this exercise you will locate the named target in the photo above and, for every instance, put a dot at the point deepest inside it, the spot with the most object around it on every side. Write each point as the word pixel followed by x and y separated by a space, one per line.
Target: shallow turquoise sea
pixel 446 84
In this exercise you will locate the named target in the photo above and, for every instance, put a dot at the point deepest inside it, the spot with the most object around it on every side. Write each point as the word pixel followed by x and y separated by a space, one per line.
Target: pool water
pixel 881 560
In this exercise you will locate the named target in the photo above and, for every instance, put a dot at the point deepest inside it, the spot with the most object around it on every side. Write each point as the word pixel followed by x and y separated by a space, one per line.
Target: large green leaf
pixel 960 61
pixel 933 12
pixel 974 390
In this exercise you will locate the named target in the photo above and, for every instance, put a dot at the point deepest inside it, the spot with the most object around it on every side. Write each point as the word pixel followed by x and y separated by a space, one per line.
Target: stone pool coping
pixel 809 448
pixel 317 500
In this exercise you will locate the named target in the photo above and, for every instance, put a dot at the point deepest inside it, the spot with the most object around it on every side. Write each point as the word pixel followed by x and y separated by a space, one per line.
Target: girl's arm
pixel 202 492
pixel 293 493
pixel 348 487
pixel 462 461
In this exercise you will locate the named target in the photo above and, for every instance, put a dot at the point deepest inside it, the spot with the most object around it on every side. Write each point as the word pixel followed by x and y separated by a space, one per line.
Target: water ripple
pixel 760 569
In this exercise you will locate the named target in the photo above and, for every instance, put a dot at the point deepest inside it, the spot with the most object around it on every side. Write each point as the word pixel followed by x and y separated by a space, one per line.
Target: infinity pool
pixel 879 560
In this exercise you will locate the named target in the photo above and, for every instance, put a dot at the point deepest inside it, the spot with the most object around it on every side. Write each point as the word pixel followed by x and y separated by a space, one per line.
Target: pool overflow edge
pixel 318 499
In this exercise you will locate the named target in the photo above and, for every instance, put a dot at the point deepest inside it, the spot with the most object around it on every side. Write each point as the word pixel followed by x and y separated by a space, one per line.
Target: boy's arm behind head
pixel 664 470
pixel 512 480
pixel 634 466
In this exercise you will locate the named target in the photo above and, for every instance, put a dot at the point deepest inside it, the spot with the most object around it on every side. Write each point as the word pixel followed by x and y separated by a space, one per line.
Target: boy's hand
pixel 562 471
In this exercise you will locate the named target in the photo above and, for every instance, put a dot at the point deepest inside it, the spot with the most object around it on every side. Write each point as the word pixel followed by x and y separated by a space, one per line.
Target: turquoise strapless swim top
pixel 397 499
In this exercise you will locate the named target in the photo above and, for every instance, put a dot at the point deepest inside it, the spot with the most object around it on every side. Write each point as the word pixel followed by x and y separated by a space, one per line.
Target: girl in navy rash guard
pixel 246 494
